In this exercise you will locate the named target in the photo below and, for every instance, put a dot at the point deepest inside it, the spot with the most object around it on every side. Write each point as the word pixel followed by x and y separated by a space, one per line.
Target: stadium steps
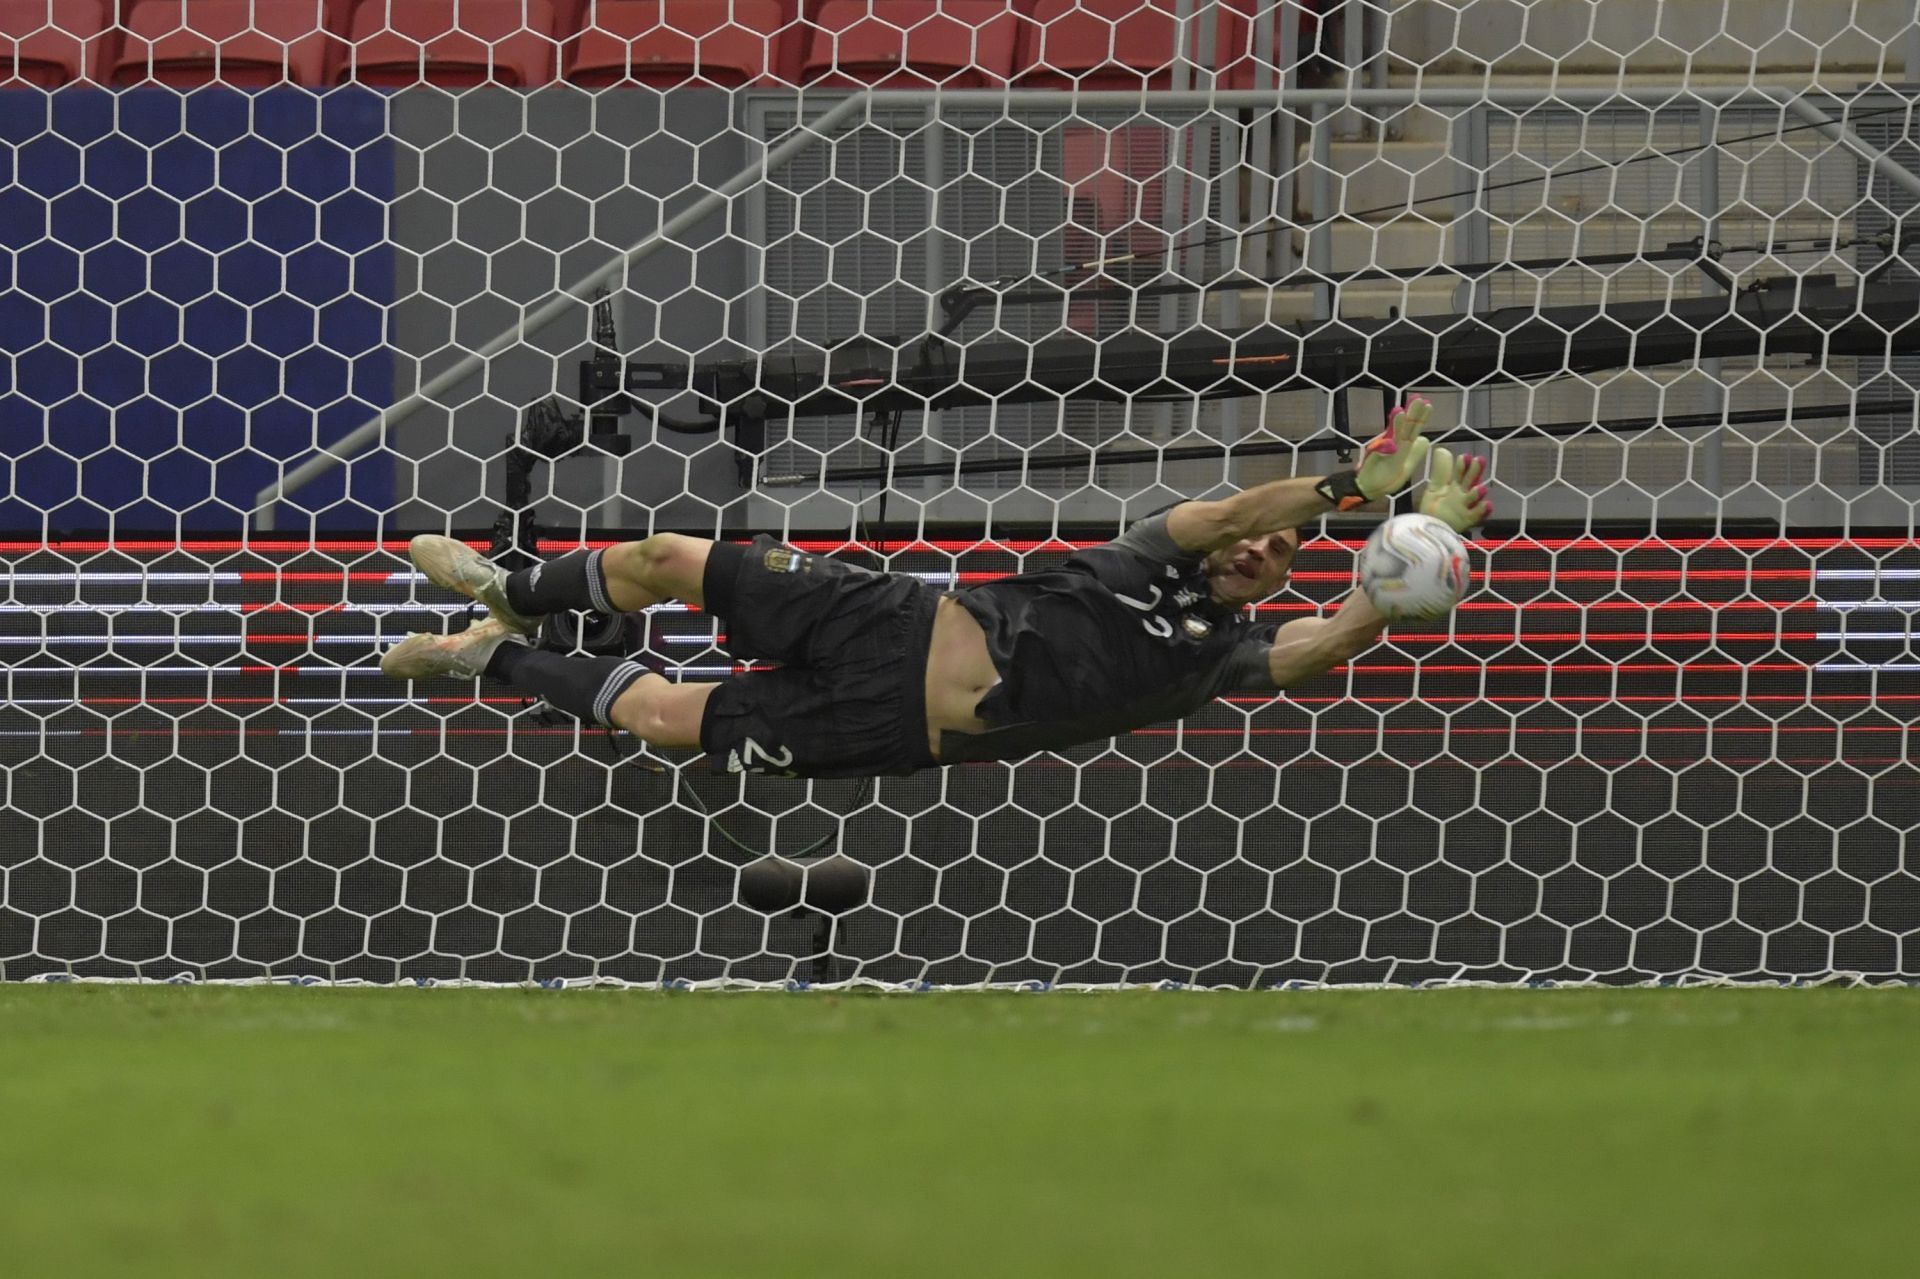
pixel 1844 39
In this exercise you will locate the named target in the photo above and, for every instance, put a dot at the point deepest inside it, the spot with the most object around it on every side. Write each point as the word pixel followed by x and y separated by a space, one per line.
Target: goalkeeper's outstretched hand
pixel 1457 495
pixel 1388 463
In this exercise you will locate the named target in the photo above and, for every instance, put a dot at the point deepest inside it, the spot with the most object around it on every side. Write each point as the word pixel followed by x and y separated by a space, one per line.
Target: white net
pixel 291 282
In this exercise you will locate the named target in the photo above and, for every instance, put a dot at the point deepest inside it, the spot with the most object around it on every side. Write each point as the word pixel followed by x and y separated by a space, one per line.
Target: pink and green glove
pixel 1457 495
pixel 1388 463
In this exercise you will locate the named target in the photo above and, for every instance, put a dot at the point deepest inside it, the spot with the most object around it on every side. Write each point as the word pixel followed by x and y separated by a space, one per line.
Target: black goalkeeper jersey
pixel 1116 638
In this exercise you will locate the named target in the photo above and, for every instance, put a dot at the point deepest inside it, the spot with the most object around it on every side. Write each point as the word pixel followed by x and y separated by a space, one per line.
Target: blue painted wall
pixel 192 291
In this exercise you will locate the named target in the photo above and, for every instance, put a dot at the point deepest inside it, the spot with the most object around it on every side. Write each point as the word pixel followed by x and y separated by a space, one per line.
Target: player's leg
pixel 615 579
pixel 614 692
pixel 663 713
pixel 666 566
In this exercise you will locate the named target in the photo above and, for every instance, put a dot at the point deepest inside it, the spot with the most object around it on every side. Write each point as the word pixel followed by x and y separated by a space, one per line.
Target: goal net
pixel 959 286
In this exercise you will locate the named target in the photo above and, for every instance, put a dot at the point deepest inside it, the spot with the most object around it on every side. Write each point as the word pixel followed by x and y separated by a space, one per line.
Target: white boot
pixel 453 564
pixel 461 655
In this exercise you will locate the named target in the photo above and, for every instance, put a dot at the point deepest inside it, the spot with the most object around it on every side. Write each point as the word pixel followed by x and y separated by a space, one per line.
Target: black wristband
pixel 1343 490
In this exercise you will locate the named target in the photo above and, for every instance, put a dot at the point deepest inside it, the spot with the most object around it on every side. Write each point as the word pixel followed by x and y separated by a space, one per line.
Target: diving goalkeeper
pixel 883 673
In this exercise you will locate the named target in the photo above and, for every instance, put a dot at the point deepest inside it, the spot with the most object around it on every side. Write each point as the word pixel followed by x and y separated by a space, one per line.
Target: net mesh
pixel 1669 736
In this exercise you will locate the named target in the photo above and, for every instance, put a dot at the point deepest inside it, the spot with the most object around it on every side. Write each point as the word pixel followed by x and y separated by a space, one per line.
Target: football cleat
pixel 453 564
pixel 461 655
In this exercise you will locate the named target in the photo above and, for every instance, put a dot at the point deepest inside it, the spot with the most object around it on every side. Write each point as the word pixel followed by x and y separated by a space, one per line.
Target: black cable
pixel 886 426
pixel 681 785
pixel 1684 251
pixel 1326 444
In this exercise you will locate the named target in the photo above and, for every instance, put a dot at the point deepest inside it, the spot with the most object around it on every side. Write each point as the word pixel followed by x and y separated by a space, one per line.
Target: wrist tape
pixel 1343 490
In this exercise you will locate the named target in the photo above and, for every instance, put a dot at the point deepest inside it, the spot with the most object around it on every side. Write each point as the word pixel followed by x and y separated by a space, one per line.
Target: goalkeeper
pixel 882 673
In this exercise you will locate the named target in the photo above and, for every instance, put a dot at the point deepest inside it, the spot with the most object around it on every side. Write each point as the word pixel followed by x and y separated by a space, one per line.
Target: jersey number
pixel 753 757
pixel 1159 627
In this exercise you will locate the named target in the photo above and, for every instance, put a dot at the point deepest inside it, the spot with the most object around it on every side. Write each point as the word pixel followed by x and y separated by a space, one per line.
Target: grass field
pixel 1464 1132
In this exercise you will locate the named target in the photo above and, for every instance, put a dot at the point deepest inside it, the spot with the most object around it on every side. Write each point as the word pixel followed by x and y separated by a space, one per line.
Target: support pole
pixel 1320 234
pixel 1173 176
pixel 1353 56
pixel 1377 61
pixel 1431 95
pixel 933 158
pixel 1320 255
pixel 1883 162
pixel 1271 200
pixel 1473 240
pixel 581 290
pixel 1230 173
pixel 1199 148
pixel 1712 445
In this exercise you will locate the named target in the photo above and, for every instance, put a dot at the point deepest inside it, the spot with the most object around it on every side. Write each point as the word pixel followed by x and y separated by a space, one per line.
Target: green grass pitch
pixel 276 1131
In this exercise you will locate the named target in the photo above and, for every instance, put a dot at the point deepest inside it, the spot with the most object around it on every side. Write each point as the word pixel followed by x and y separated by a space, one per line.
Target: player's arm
pixel 1388 463
pixel 1309 646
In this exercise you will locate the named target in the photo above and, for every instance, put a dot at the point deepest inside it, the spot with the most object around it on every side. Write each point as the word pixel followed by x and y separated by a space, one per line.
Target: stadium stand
pixel 671 42
pixel 51 52
pixel 235 42
pixel 504 42
pixel 901 43
pixel 1115 44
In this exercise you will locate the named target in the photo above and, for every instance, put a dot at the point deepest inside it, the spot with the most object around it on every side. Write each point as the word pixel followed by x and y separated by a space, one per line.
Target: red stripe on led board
pixel 1482 577
pixel 397 546
pixel 396 703
pixel 1308 760
pixel 1521 730
pixel 1559 699
pixel 1797 604
pixel 1396 637
pixel 1573 730
pixel 1374 668
pixel 1573 668
pixel 1606 606
pixel 1495 699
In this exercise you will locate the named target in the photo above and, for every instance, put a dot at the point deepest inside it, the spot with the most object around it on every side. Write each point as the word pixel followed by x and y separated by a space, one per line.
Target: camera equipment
pixel 548 433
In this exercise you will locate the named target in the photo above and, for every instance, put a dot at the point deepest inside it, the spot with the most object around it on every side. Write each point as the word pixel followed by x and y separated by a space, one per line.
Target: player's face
pixel 1252 568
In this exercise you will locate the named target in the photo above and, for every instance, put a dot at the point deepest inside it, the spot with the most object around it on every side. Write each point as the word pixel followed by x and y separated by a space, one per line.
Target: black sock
pixel 575 580
pixel 586 687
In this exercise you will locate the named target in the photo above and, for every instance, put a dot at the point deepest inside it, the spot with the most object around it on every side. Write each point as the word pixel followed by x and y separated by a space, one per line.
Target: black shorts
pixel 849 699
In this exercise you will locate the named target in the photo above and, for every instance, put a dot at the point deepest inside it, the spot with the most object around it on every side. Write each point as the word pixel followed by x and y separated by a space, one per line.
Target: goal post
pixel 964 312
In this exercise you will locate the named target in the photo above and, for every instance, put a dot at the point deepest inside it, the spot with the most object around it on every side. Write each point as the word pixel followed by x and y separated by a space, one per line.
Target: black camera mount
pixel 548 433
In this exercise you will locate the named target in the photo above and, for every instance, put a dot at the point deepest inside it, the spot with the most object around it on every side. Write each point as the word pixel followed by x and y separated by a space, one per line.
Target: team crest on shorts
pixel 782 559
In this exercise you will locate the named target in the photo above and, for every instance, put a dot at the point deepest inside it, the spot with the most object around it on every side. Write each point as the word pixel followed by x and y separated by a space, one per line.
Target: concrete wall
pixel 501 199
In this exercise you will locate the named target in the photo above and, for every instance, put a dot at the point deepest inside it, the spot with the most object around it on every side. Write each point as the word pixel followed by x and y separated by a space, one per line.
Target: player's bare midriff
pixel 959 673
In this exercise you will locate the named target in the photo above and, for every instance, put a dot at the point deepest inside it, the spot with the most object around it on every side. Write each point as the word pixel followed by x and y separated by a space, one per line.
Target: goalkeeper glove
pixel 1388 463
pixel 1457 495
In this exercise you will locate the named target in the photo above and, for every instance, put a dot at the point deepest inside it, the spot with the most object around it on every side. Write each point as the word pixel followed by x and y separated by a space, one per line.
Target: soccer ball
pixel 1414 568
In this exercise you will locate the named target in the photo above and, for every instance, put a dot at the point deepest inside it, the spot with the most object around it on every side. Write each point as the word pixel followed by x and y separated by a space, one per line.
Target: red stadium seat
pixel 957 43
pixel 235 42
pixel 50 44
pixel 455 43
pixel 670 42
pixel 1118 44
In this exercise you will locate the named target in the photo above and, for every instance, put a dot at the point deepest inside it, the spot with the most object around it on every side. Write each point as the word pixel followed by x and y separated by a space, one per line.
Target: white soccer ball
pixel 1414 568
